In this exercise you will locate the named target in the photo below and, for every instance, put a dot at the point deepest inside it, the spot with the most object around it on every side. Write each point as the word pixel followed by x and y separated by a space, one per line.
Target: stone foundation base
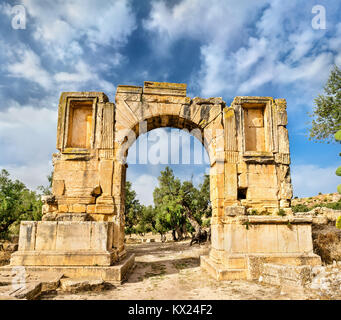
pixel 63 258
pixel 114 274
pixel 66 243
pixel 285 275
pixel 250 267
pixel 220 272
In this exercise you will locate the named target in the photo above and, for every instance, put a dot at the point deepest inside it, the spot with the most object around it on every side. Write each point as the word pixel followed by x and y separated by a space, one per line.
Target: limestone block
pixel 91 208
pixel 233 211
pixel 286 190
pixel 127 91
pixel 27 235
pixel 78 208
pixel 284 204
pixel 282 118
pixel 46 235
pixel 235 239
pixel 101 236
pixel 217 236
pixel 283 140
pixel 164 88
pixel 105 209
pixel 286 275
pixel 79 285
pixel 262 238
pixel 101 217
pixel 63 208
pixel 58 187
pixel 231 181
pixel 262 180
pixel 283 158
pixel 49 208
pixel 73 236
pixel 148 98
pixel 72 217
pixel 214 112
pixel 287 238
pixel 305 241
pixel 106 170
pixel 262 193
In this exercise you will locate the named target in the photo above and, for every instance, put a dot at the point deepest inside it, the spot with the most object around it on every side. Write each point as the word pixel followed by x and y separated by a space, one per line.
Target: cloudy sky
pixel 219 48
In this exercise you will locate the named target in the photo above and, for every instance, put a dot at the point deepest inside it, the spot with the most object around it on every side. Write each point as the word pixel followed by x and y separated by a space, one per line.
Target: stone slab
pixel 219 271
pixel 115 274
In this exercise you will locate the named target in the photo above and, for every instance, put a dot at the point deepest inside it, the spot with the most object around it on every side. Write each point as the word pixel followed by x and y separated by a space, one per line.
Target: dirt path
pixel 170 271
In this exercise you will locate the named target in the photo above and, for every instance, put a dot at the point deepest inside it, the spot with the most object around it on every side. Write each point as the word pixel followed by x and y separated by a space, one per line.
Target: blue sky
pixel 218 47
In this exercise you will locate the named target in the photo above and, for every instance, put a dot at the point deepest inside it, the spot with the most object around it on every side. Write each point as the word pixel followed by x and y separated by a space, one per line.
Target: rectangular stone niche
pixel 254 127
pixel 80 124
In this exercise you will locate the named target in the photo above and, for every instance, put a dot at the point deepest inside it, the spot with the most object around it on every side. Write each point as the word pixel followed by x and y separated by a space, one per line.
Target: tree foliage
pixel 17 203
pixel 338 170
pixel 327 113
pixel 132 209
pixel 47 190
pixel 179 207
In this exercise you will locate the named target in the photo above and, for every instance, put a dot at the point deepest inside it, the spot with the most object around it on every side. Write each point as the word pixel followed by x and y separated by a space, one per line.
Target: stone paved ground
pixel 171 271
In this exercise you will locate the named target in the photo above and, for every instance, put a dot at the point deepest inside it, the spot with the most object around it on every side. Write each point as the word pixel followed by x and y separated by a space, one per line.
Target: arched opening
pixel 166 167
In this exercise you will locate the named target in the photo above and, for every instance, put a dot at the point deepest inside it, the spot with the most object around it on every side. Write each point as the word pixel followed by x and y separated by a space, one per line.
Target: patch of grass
pixel 157 270
pixel 300 208
pixel 180 265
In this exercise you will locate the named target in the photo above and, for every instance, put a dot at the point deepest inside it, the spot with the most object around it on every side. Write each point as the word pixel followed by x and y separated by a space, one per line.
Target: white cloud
pixel 308 180
pixel 63 24
pixel 27 141
pixel 281 48
pixel 29 68
pixel 144 185
pixel 206 21
pixel 24 63
pixel 83 74
pixel 31 175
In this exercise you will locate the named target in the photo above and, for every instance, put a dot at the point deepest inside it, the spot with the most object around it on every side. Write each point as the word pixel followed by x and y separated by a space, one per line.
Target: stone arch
pixel 139 110
pixel 249 154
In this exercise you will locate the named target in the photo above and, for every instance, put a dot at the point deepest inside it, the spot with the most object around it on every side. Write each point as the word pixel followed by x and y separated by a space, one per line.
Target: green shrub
pixel 338 222
pixel 300 208
pixel 337 137
pixel 206 223
pixel 253 212
pixel 338 171
pixel 281 213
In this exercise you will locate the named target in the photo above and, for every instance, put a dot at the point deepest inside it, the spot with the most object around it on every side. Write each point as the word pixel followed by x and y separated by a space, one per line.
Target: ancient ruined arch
pixel 164 105
pixel 163 121
pixel 248 148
